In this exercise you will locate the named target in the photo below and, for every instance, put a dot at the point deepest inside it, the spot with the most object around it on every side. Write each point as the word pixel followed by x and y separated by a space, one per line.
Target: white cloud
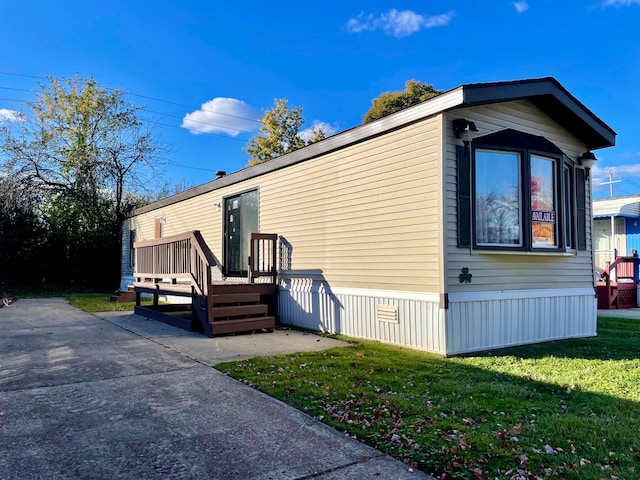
pixel 222 115
pixel 628 170
pixel 397 23
pixel 619 3
pixel 328 129
pixel 7 115
pixel 624 176
pixel 521 7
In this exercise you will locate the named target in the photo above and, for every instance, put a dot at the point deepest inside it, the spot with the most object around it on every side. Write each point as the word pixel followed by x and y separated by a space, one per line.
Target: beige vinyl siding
pixel 513 270
pixel 364 216
pixel 357 214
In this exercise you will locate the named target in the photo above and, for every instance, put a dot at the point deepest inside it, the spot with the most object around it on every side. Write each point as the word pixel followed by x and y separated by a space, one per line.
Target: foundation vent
pixel 387 313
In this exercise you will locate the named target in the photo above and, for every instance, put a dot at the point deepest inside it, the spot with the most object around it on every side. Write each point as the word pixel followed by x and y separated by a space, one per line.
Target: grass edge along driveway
pixel 568 409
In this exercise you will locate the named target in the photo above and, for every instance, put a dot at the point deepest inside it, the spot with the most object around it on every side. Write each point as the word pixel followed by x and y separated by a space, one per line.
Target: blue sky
pixel 234 58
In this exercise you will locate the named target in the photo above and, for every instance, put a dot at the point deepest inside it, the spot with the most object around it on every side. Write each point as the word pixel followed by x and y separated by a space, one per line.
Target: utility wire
pixel 199 121
pixel 156 113
pixel 144 96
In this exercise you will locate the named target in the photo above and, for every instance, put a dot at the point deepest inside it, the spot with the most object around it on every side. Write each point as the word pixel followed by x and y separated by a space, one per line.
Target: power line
pixel 228 137
pixel 193 168
pixel 147 97
pixel 13 100
pixel 191 106
pixel 23 75
pixel 18 89
pixel 158 123
pixel 199 121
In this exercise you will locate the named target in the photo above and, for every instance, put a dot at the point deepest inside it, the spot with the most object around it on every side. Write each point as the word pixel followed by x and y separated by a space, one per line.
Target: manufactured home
pixel 616 243
pixel 460 224
pixel 615 228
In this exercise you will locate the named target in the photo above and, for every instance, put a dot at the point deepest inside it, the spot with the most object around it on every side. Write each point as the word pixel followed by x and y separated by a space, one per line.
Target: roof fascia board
pixel 485 93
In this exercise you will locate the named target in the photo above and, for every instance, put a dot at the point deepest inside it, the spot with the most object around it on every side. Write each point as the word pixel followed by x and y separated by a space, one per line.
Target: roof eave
pixel 551 98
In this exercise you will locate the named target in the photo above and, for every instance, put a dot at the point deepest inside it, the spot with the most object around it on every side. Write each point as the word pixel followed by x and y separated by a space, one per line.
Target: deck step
pixel 126 296
pixel 228 288
pixel 239 311
pixel 164 288
pixel 235 298
pixel 221 327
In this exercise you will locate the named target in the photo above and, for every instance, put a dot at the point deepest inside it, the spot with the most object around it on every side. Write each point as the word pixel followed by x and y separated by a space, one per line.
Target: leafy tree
pixel 81 140
pixel 280 133
pixel 390 102
pixel 83 153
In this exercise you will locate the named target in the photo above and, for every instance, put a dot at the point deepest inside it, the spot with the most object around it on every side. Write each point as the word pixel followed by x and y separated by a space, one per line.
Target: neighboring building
pixel 398 231
pixel 616 229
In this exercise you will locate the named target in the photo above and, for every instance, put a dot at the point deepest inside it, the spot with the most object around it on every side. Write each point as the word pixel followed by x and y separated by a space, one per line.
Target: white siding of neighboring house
pixel 605 245
pixel 514 298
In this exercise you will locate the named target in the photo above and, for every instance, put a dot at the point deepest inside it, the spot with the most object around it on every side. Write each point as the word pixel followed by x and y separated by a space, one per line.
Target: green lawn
pixel 99 302
pixel 567 409
pixel 89 302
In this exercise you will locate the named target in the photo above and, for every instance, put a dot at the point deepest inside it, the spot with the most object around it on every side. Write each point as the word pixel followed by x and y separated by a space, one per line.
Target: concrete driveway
pixel 118 396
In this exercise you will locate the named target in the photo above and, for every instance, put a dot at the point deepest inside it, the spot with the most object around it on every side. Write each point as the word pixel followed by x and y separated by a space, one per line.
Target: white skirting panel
pixel 354 312
pixel 501 319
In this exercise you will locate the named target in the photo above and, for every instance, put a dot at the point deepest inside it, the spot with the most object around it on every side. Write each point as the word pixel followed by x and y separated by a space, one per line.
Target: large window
pixel 498 217
pixel 544 210
pixel 520 195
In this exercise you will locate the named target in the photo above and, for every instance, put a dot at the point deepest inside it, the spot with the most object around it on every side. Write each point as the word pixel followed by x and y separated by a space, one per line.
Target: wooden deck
pixel 623 292
pixel 180 266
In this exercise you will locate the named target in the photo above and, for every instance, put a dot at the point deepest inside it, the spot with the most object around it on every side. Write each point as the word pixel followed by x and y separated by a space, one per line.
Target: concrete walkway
pixel 620 313
pixel 111 396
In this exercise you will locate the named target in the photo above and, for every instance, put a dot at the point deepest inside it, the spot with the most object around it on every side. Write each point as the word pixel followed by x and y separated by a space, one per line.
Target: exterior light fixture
pixel 587 160
pixel 465 130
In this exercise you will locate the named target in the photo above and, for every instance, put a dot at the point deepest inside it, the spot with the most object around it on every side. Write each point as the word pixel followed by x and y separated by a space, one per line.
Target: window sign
pixel 543 202
pixel 497 198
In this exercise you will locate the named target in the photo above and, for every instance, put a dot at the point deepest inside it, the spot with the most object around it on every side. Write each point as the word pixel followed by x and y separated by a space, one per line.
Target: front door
pixel 240 221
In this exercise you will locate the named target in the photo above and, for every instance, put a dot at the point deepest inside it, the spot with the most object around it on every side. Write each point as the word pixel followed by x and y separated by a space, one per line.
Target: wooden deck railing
pixel 624 267
pixel 262 256
pixel 622 293
pixel 183 257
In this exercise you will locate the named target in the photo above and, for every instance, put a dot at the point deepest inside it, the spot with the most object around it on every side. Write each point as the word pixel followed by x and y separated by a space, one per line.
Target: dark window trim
pixel 525 196
pixel 581 209
pixel 132 251
pixel 464 179
pixel 569 243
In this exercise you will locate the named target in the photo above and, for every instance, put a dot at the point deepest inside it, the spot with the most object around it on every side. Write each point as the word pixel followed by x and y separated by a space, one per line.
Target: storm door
pixel 241 220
